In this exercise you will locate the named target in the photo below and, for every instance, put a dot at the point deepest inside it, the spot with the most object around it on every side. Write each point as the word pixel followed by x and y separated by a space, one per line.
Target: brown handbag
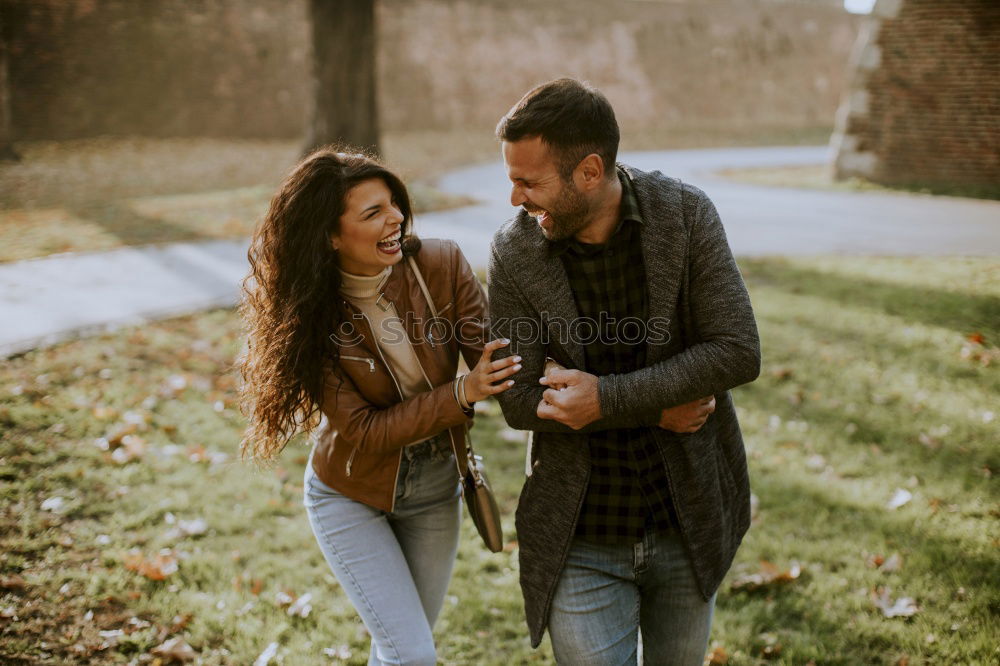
pixel 476 486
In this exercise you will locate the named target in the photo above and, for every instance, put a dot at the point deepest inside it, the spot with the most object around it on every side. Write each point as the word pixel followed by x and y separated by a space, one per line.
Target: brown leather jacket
pixel 365 422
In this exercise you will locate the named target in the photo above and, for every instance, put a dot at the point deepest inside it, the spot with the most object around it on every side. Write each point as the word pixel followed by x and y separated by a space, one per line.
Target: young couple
pixel 637 496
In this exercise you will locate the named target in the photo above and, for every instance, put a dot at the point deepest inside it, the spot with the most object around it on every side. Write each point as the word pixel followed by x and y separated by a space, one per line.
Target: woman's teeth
pixel 389 244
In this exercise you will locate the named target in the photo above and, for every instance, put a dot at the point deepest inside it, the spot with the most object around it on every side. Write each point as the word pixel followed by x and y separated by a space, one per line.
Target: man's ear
pixel 590 172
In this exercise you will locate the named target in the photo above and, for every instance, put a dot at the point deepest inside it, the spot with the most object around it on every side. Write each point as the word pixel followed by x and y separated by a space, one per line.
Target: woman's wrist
pixel 464 397
pixel 458 389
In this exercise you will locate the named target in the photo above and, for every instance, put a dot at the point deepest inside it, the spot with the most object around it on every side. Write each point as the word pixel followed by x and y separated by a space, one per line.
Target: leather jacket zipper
pixel 369 361
pixel 371 367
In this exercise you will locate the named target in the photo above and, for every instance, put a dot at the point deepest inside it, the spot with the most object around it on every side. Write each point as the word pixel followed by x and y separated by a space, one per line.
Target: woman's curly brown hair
pixel 290 297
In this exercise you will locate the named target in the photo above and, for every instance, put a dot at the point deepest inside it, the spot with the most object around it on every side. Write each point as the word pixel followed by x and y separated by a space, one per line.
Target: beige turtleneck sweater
pixel 362 292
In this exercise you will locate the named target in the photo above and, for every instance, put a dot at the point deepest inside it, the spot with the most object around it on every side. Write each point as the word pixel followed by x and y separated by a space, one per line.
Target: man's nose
pixel 517 197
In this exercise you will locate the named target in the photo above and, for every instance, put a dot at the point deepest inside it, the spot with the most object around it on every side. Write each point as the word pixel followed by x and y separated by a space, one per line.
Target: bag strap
pixel 434 313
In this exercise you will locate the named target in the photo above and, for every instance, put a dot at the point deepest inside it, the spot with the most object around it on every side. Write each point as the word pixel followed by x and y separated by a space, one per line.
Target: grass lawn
pixel 99 194
pixel 119 450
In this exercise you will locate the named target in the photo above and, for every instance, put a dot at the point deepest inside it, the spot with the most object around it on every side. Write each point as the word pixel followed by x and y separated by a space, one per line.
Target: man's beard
pixel 568 214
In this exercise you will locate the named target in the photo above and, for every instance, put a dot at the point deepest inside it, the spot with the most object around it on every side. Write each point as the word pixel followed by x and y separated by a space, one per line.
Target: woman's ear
pixel 335 243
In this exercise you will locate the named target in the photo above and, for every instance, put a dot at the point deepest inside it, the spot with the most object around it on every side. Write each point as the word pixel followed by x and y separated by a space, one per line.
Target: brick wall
pixel 923 106
pixel 241 68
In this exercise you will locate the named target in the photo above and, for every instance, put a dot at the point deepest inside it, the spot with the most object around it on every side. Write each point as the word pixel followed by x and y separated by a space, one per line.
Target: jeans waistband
pixel 436 448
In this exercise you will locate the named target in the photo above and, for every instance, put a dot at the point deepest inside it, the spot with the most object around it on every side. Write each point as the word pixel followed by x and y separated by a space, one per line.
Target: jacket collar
pixel 402 290
pixel 664 250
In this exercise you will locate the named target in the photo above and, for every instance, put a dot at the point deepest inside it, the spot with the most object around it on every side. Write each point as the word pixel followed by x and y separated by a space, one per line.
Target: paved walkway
pixel 761 220
pixel 47 300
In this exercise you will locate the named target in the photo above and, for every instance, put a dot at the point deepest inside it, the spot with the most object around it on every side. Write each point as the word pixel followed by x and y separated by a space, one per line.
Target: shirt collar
pixel 629 211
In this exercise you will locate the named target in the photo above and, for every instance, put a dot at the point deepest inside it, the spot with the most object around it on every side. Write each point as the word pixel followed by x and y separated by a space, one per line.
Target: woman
pixel 342 344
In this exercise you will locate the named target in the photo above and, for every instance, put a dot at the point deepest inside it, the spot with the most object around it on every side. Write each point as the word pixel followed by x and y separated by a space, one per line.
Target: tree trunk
pixel 7 152
pixel 343 41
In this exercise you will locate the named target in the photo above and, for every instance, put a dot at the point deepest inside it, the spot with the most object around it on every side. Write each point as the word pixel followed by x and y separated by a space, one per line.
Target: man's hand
pixel 688 417
pixel 574 403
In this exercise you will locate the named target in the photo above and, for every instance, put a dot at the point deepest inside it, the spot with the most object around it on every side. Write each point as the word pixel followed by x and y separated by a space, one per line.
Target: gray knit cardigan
pixel 693 280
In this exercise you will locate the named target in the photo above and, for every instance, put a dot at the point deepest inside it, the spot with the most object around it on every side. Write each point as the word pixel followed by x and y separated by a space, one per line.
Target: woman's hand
pixel 482 381
pixel 688 417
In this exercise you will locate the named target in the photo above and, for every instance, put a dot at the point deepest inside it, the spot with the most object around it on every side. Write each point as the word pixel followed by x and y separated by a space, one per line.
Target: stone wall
pixel 923 105
pixel 241 68
pixel 82 68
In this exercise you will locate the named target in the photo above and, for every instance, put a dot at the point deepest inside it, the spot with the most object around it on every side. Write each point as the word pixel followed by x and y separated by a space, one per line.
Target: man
pixel 637 496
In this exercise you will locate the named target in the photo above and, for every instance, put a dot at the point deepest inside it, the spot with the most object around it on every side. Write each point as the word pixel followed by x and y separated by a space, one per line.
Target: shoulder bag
pixel 475 485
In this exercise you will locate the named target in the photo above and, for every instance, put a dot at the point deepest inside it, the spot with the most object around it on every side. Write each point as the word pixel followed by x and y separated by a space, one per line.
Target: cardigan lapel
pixel 664 251
pixel 546 287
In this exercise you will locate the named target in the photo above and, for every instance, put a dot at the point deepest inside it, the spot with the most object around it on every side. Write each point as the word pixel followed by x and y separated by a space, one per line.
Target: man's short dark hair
pixel 572 117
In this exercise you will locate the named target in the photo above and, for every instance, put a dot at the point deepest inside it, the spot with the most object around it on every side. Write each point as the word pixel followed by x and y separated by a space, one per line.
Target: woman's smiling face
pixel 368 239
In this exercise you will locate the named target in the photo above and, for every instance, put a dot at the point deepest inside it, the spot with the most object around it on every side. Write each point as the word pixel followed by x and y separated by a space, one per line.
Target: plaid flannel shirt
pixel 628 491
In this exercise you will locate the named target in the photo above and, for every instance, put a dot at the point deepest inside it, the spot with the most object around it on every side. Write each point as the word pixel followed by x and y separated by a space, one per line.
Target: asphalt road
pixel 44 301
pixel 759 220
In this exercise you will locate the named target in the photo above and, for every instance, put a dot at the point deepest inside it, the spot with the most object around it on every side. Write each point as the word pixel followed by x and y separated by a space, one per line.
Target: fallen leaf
pixel 341 652
pixel 893 564
pixel 899 498
pixel 771 648
pixel 781 372
pixel 117 433
pixel 186 528
pixel 104 413
pixel 199 453
pixel 110 637
pixel 134 624
pixel 267 655
pixel 132 448
pixel 718 657
pixel 767 575
pixel 816 462
pixel 178 623
pixel 54 504
pixel 301 606
pixel 158 567
pixel 175 649
pixel 902 607
pixel 975 349
pixel 14 583
pixel 174 385
pixel 874 561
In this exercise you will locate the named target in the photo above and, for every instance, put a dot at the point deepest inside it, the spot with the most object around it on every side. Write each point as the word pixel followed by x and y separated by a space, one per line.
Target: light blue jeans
pixel 607 593
pixel 394 567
